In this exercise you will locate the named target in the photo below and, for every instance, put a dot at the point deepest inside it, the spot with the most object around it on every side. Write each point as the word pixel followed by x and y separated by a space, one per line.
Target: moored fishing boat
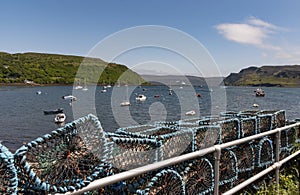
pixel 56 111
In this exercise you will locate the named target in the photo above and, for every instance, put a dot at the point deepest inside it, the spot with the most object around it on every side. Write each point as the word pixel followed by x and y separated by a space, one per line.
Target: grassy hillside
pixel 282 76
pixel 60 69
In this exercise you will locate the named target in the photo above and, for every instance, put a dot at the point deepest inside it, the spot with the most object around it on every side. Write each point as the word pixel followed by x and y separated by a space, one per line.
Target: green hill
pixel 281 76
pixel 60 69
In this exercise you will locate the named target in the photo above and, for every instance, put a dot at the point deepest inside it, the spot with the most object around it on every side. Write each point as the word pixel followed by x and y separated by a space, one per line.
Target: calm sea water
pixel 22 118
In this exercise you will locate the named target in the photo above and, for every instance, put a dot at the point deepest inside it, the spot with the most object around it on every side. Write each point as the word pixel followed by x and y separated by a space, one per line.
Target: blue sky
pixel 236 33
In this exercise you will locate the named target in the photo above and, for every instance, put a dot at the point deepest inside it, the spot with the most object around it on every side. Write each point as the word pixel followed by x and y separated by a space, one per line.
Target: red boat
pixel 259 92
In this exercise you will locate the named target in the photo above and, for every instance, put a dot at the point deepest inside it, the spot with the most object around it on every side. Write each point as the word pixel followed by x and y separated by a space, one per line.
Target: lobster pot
pixel 245 157
pixel 242 176
pixel 248 126
pixel 278 117
pixel 67 159
pixel 230 130
pixel 206 136
pixel 177 143
pixel 129 153
pixel 8 172
pixel 264 152
pixel 283 138
pixel 228 167
pixel 291 137
pixel 173 142
pixel 229 114
pixel 165 182
pixel 264 122
pixel 198 177
pixel 136 129
pixel 284 152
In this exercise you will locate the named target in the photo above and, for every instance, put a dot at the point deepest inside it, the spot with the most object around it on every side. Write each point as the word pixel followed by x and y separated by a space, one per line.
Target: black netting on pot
pixel 264 122
pixel 291 137
pixel 230 130
pixel 264 152
pixel 228 167
pixel 177 143
pixel 284 152
pixel 8 172
pixel 165 182
pixel 129 153
pixel 174 142
pixel 206 136
pixel 67 159
pixel 198 177
pixel 278 117
pixel 248 126
pixel 168 124
pixel 245 157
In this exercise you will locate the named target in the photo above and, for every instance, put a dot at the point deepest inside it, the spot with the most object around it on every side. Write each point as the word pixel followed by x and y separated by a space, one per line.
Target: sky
pixel 233 34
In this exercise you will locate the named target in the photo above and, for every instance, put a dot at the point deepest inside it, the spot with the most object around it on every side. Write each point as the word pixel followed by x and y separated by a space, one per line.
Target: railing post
pixel 217 155
pixel 277 153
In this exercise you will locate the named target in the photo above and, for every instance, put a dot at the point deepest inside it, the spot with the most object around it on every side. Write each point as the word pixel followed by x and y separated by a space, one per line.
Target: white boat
pixel 190 113
pixel 141 97
pixel 69 97
pixel 39 92
pixel 103 90
pixel 125 103
pixel 60 118
pixel 78 87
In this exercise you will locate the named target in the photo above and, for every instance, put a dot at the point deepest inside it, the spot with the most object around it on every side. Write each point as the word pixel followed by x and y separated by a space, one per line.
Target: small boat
pixel 125 103
pixel 170 91
pixel 156 96
pixel 198 95
pixel 255 105
pixel 39 92
pixel 190 113
pixel 78 87
pixel 103 90
pixel 259 92
pixel 60 118
pixel 56 111
pixel 69 97
pixel 141 98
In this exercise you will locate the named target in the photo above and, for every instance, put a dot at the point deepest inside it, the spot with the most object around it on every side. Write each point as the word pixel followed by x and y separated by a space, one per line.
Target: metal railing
pixel 216 149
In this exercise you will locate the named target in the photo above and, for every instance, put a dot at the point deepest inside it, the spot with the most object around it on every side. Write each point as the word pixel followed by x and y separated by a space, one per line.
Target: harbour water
pixel 22 119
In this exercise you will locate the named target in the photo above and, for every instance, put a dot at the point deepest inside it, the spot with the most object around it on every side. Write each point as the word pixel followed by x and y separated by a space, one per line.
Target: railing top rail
pixel 152 167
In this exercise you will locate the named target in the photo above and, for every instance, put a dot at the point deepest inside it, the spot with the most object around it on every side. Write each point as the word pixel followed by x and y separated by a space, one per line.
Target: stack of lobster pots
pixel 71 157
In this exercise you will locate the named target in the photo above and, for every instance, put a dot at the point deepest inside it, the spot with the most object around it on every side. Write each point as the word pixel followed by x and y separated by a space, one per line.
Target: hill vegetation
pixel 60 69
pixel 280 76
